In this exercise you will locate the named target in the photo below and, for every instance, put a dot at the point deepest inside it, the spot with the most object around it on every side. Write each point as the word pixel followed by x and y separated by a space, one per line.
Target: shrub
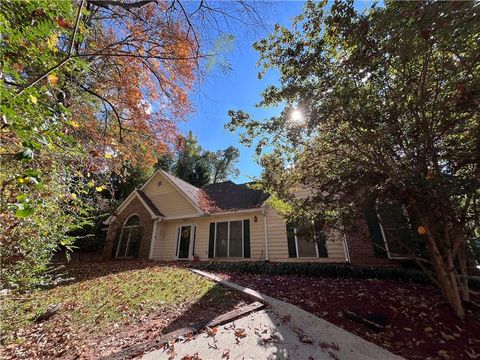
pixel 325 270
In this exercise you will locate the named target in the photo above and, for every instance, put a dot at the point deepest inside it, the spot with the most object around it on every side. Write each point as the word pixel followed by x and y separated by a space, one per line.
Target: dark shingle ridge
pixel 149 203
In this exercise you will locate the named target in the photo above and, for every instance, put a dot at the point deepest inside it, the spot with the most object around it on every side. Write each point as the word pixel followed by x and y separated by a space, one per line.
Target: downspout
pixel 152 240
pixel 265 232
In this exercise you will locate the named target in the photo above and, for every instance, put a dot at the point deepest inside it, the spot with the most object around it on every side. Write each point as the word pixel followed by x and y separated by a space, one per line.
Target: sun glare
pixel 296 117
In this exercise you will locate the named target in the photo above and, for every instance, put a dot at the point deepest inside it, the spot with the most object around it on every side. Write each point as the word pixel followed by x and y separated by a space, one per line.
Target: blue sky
pixel 239 89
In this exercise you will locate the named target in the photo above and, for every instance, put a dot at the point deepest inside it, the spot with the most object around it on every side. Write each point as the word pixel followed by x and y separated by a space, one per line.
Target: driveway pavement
pixel 283 331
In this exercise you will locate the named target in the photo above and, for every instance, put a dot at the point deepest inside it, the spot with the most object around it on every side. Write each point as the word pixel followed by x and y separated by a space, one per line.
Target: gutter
pixel 234 212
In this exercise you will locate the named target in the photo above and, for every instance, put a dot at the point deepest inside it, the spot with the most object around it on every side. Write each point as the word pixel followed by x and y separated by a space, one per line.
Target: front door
pixel 185 241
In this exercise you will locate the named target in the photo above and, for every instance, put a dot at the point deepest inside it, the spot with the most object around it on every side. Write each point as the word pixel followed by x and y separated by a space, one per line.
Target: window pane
pixel 123 242
pixel 134 220
pixel 184 246
pixel 306 246
pixel 236 239
pixel 398 234
pixel 222 239
pixel 134 241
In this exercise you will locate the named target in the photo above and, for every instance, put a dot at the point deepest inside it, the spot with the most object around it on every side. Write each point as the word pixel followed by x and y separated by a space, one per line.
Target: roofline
pixel 125 203
pixel 242 211
pixel 185 195
pixel 181 217
pixel 192 216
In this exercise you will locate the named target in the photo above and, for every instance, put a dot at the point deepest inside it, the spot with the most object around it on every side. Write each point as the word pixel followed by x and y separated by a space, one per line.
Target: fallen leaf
pixel 211 331
pixel 472 354
pixel 226 354
pixel 443 354
pixel 447 337
pixel 306 340
pixel 240 333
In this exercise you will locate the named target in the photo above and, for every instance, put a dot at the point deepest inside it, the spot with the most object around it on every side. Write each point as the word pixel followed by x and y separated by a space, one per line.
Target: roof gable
pixel 174 197
pixel 151 208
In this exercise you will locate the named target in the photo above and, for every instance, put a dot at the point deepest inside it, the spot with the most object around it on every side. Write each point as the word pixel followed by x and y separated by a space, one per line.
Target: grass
pixel 97 303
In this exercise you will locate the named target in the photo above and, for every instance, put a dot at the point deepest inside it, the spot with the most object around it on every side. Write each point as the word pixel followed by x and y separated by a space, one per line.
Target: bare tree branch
pixel 117 115
pixel 67 58
pixel 127 6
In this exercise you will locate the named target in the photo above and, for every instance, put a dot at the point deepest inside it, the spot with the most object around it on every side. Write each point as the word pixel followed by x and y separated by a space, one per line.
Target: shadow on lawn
pixel 217 301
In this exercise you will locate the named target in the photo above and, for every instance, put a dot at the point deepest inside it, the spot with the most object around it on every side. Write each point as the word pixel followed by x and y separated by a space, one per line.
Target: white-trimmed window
pixel 130 238
pixel 306 247
pixel 302 243
pixel 229 239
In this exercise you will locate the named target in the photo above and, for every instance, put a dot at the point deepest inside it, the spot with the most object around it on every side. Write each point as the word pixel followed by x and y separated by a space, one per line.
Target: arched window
pixel 130 238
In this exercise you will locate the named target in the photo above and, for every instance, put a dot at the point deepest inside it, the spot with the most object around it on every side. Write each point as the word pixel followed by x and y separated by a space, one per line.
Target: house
pixel 169 219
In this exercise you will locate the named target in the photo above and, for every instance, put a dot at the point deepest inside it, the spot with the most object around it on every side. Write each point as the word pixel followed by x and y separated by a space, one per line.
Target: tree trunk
pixel 446 273
pixel 462 262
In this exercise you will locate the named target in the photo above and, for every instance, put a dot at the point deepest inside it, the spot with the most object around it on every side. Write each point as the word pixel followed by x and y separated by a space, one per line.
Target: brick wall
pixel 360 245
pixel 146 222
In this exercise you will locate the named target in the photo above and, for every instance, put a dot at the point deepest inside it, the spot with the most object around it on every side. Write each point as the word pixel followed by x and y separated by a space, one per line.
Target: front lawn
pixel 108 306
pixel 421 324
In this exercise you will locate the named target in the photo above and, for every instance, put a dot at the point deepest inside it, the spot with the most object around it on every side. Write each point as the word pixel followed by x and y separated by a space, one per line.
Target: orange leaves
pixel 146 74
pixel 64 23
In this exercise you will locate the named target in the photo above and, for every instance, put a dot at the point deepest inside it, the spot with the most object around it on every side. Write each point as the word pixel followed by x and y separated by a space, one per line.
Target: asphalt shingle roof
pixel 228 196
pixel 224 196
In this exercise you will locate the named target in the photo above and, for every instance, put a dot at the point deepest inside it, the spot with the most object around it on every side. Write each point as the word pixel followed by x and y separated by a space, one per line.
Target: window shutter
pixel 292 250
pixel 322 248
pixel 194 239
pixel 246 238
pixel 375 231
pixel 211 241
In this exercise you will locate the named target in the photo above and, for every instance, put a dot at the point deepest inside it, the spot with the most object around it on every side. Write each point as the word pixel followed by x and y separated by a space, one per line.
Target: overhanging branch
pixel 117 115
pixel 127 6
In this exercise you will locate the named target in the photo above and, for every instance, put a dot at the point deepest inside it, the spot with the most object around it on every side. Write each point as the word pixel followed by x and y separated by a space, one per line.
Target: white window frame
pixel 129 234
pixel 228 240
pixel 193 234
pixel 389 254
pixel 296 248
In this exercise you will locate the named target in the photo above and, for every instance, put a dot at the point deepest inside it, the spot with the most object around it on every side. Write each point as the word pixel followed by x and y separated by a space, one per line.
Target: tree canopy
pixel 198 166
pixel 381 104
pixel 89 89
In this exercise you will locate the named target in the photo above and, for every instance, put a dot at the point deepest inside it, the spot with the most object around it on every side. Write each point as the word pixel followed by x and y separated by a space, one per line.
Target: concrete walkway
pixel 284 331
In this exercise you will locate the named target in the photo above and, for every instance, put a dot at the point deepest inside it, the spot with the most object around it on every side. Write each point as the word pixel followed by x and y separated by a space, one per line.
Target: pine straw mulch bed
pixel 109 306
pixel 421 325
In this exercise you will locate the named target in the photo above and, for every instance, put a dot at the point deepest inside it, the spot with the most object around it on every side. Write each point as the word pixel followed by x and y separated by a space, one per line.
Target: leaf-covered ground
pixel 109 306
pixel 422 326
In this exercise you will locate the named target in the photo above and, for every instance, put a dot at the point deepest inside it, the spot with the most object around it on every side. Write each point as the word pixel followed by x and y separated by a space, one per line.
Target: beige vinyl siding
pixel 278 243
pixel 166 238
pixel 167 198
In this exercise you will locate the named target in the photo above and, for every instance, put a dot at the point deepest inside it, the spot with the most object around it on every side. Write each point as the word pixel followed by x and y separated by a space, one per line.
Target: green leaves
pixel 24 210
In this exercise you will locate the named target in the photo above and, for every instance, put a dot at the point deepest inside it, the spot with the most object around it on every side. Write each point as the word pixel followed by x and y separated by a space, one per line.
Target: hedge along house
pixel 168 219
